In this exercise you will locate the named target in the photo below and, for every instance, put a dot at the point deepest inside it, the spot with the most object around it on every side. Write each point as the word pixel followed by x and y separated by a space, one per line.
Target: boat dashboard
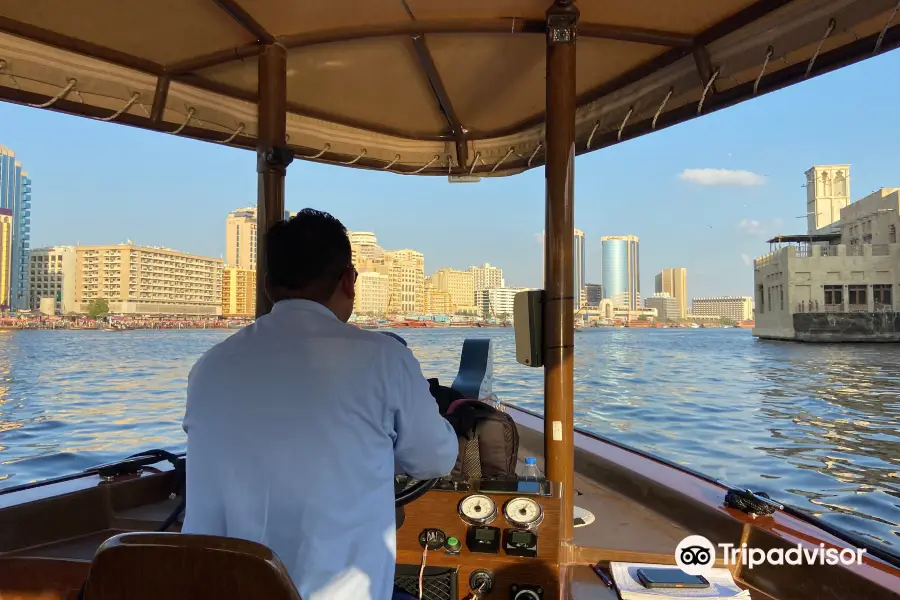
pixel 489 538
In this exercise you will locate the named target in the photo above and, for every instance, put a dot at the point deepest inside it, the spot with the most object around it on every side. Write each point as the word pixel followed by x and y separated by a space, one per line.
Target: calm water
pixel 813 425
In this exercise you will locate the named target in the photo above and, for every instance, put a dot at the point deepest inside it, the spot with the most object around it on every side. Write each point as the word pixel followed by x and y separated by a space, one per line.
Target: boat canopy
pixel 421 86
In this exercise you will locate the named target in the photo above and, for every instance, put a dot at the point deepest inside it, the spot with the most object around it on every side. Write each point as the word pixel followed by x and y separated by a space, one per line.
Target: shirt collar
pixel 296 304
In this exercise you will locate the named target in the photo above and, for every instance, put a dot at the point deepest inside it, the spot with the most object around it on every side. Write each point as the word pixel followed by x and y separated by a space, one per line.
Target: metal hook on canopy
pixel 661 107
pixel 706 90
pixel 190 115
pixel 831 24
pixel 505 156
pixel 62 94
pixel 353 161
pixel 625 120
pixel 428 164
pixel 392 163
pixel 885 28
pixel 533 154
pixel 129 104
pixel 234 134
pixel 769 51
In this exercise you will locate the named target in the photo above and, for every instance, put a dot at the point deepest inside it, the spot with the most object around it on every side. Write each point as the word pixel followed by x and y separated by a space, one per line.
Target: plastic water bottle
pixel 531 472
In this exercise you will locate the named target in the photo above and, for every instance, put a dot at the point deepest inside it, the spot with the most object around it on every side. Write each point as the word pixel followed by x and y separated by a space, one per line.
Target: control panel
pixel 500 537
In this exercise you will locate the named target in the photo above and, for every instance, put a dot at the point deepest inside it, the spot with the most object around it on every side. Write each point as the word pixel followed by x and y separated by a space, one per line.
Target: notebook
pixel 721 585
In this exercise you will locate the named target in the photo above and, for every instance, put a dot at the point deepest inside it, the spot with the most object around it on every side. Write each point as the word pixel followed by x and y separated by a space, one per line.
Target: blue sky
pixel 101 183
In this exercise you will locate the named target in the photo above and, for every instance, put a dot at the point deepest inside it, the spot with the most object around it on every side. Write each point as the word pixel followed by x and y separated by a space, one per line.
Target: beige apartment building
pixel 459 284
pixel 674 283
pixel 437 302
pixel 51 276
pixel 238 292
pixel 407 279
pixel 736 308
pixel 667 307
pixel 486 277
pixel 142 280
pixel 373 290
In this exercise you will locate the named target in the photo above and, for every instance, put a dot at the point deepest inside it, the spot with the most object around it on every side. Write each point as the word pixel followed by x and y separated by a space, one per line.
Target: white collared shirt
pixel 295 424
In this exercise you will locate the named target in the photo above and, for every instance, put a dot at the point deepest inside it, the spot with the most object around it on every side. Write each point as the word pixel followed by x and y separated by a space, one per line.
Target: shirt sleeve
pixel 425 445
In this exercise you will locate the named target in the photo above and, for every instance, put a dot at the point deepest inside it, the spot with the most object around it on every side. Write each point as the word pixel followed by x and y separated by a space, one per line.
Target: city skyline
pixel 726 182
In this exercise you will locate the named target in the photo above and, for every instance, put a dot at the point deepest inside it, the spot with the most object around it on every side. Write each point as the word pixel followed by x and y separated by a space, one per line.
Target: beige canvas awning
pixel 421 86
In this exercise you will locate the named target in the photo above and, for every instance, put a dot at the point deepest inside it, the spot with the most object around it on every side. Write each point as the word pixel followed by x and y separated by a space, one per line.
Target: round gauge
pixel 477 509
pixel 523 512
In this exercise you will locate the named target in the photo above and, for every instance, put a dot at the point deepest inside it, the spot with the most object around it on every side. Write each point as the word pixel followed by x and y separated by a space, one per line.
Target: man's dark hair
pixel 307 254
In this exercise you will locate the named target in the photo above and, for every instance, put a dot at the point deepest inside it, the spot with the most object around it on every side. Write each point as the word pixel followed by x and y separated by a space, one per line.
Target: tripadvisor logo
pixel 695 555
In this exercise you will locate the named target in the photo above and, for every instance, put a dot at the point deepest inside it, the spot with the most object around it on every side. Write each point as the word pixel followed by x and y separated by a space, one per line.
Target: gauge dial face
pixel 477 509
pixel 523 512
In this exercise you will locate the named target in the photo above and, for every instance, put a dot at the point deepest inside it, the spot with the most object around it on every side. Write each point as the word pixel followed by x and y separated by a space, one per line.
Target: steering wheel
pixel 407 489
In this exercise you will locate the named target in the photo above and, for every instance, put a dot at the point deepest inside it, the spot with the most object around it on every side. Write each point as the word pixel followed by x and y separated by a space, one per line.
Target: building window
pixel 834 296
pixel 781 292
pixel 881 294
pixel 857 295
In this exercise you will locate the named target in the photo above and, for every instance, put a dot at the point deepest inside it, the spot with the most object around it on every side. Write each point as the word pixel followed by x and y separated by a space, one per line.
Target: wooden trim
pixel 216 58
pixel 245 20
pixel 70 44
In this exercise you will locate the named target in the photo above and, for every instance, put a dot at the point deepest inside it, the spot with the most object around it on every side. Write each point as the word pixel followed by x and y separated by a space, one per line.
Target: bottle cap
pixel 531 460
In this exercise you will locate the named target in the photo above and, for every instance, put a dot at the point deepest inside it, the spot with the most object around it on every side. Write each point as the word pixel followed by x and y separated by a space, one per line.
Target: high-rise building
pixel 666 306
pixel 674 283
pixel 621 274
pixel 240 237
pixel 51 274
pixel 736 308
pixel 6 248
pixel 15 196
pixel 238 292
pixel 579 268
pixel 593 294
pixel 827 192
pixel 364 246
pixel 373 292
pixel 407 279
pixel 459 284
pixel 145 280
pixel 486 277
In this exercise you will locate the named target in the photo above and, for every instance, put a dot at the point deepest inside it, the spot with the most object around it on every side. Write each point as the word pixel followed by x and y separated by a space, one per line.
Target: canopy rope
pixel 591 137
pixel 625 120
pixel 660 109
pixel 62 94
pixel 812 61
pixel 392 163
pixel 234 134
pixel 533 154
pixel 505 156
pixel 354 160
pixel 190 115
pixel 428 164
pixel 769 51
pixel 706 90
pixel 129 104
pixel 885 28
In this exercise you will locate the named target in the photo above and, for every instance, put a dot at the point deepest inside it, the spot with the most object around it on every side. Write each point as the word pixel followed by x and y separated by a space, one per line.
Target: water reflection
pixel 815 426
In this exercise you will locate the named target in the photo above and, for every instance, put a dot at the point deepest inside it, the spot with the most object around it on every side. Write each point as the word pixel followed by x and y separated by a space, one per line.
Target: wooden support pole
pixel 559 306
pixel 272 157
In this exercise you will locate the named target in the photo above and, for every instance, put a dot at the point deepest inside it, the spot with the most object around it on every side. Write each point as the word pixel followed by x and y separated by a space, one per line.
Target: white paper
pixel 721 584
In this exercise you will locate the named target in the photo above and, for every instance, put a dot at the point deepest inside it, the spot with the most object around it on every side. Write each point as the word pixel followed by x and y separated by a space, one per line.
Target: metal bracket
pixel 562 19
pixel 274 159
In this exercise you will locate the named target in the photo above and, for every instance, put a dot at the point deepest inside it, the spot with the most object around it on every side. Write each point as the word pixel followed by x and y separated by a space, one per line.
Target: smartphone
pixel 670 578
